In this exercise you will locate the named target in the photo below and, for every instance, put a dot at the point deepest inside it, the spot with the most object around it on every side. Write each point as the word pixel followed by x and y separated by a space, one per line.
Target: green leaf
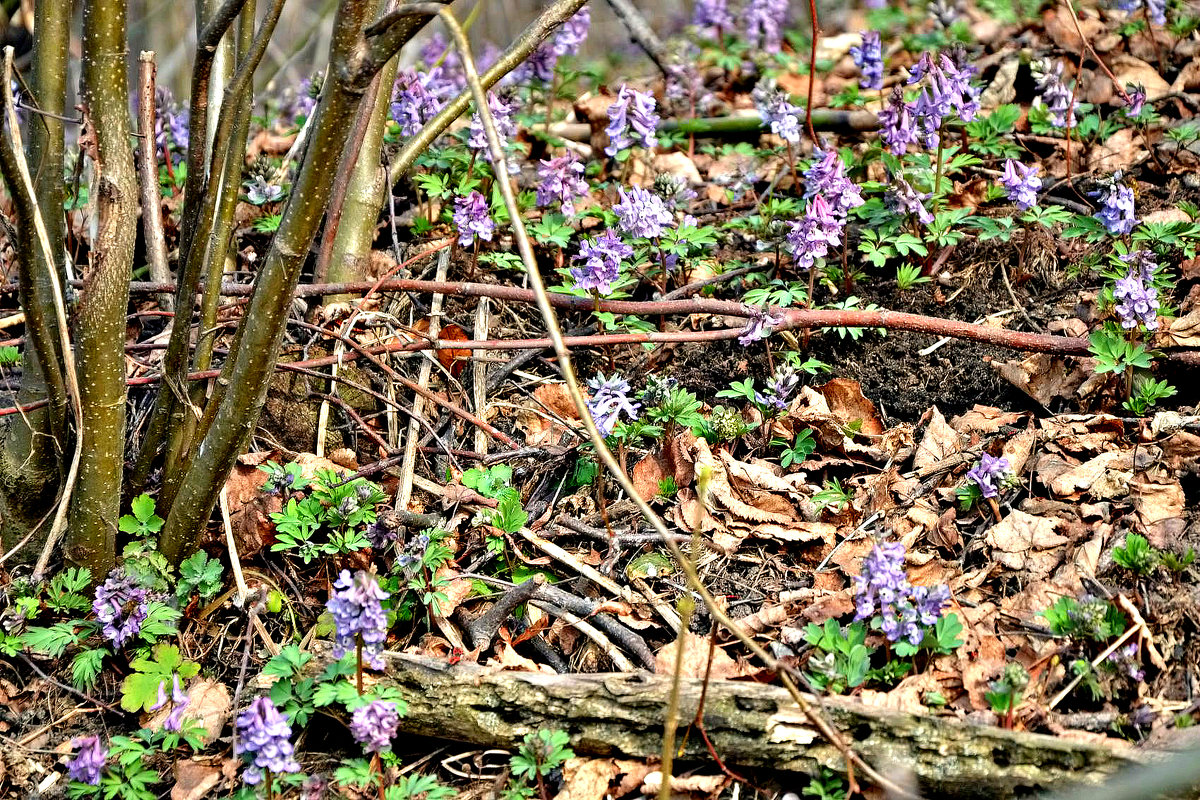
pixel 946 633
pixel 85 668
pixel 139 690
pixel 52 641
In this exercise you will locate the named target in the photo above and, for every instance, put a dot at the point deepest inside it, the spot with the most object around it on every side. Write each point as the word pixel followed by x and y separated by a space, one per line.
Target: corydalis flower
pixel 763 21
pixel 179 703
pixel 264 741
pixel 1116 206
pixel 121 606
pixel 778 391
pixel 88 762
pixel 573 33
pixel 868 57
pixel 826 176
pixel 882 589
pixel 1136 94
pixel 561 182
pixel 988 474
pixel 777 112
pixel 902 198
pixel 810 237
pixel 1054 94
pixel 374 725
pixel 712 16
pixel 170 122
pixel 358 614
pixel 601 265
pixel 610 399
pixel 641 213
pixel 759 324
pixel 1155 9
pixel 896 127
pixel 506 125
pixel 632 113
pixel 1136 297
pixel 259 192
pixel 1021 183
pixel 948 90
pixel 472 219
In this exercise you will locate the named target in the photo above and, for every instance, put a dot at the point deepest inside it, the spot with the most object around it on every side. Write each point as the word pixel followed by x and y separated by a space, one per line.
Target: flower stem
pixel 358 653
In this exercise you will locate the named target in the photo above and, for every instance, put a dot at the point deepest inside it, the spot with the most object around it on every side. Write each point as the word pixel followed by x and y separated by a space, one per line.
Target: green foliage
pixel 540 754
pixel 908 276
pixel 292 693
pixel 1145 394
pixel 723 425
pixel 680 407
pixel 415 786
pixel 509 515
pixel 992 227
pixel 267 223
pixel 833 496
pixel 827 785
pixel 878 247
pixel 143 522
pixel 1136 554
pixel 777 293
pixel 200 575
pixel 54 640
pixel 968 494
pixel 1115 353
pixel 9 355
pixel 139 690
pixel 488 481
pixel 1091 618
pixel 988 135
pixel 340 509
pixel 844 660
pixel 85 668
pixel 552 229
pixel 66 591
pixel 1006 691
pixel 667 488
pixel 804 446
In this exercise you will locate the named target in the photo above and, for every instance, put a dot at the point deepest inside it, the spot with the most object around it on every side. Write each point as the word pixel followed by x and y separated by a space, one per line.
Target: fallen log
pixel 749 724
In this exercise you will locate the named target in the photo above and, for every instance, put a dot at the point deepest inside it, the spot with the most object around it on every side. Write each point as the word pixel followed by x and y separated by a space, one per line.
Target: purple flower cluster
pixel 1116 206
pixel 1127 660
pixel 471 218
pixel 684 86
pixel 948 90
pixel 811 236
pixel 413 104
pixel 561 183
pixel 88 762
pixel 374 725
pixel 632 113
pixel 610 398
pixel 868 57
pixel 778 391
pixel 712 17
pixel 759 324
pixel 265 737
pixel 882 589
pixel 764 21
pixel 573 33
pixel 1054 94
pixel 1137 98
pixel 903 199
pixel 777 112
pixel 601 265
pixel 503 110
pixel 1021 183
pixel 179 703
pixel 121 606
pixel 988 474
pixel 170 123
pixel 358 613
pixel 642 213
pixel 1136 297
pixel 1155 9
pixel 896 128
pixel 826 176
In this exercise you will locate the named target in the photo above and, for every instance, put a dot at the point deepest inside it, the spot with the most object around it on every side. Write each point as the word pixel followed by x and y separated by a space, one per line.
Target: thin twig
pixel 152 225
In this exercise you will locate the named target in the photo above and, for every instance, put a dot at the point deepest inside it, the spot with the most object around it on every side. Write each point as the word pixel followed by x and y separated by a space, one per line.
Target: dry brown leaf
pixel 646 475
pixel 695 659
pixel 984 419
pixel 1118 152
pixel 531 418
pixel 1185 331
pixel 678 164
pixel 1106 477
pixel 194 780
pixel 905 697
pixel 797 85
pixel 939 442
pixel 208 707
pixel 507 657
pixel 1159 508
pixel 980 668
pixel 1128 69
pixel 1061 28
pixel 847 403
pixel 1046 378
pixel 1022 541
pixel 698 784
pixel 587 778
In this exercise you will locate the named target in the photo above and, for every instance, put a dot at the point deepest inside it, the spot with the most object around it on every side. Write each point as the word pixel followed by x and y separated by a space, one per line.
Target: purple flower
pixel 811 236
pixel 826 176
pixel 1137 98
pixel 259 192
pixel 264 736
pixel 777 111
pixel 641 213
pixel 171 124
pixel 902 198
pixel 601 262
pixel 1136 297
pixel 1157 9
pixel 374 725
pixel 506 125
pixel 1127 660
pixel 988 474
pixel 121 606
pixel 88 762
pixel 472 219
pixel 778 391
pixel 882 589
pixel 896 126
pixel 759 324
pixel 764 21
pixel 1021 183
pixel 1116 211
pixel 1055 95
pixel 684 86
pixel 869 59
pixel 358 613
pixel 179 702
pixel 562 182
pixel 634 112
pixel 573 33
pixel 712 16
pixel 413 104
pixel 539 66
pixel 610 398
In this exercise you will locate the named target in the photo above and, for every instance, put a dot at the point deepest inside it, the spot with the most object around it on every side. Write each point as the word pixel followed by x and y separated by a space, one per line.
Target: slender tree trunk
pixel 100 318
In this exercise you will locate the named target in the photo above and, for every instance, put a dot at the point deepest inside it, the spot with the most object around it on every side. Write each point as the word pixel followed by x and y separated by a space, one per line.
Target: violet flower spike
pixel 632 120
pixel 811 237
pixel 764 21
pixel 609 399
pixel 264 741
pixel 1117 207
pixel 760 322
pixel 472 218
pixel 642 213
pixel 374 725
pixel 88 762
pixel 573 33
pixel 121 606
pixel 902 198
pixel 1135 295
pixel 882 590
pixel 601 265
pixel 358 614
pixel 1137 99
pixel 561 182
pixel 896 126
pixel 777 394
pixel 712 16
pixel 1054 93
pixel 868 57
pixel 777 112
pixel 827 176
pixel 1021 183
pixel 988 474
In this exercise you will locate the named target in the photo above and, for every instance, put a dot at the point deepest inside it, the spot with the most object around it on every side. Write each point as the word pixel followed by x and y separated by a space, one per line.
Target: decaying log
pixel 750 725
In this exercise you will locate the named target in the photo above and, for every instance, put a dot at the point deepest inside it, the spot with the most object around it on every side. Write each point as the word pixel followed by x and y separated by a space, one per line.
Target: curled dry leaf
pixel 939 442
pixel 194 780
pixel 532 418
pixel 1022 541
pixel 695 659
pixel 587 778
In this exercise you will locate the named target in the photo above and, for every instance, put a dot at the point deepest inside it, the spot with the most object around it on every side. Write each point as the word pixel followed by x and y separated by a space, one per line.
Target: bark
pixel 749 724
pixel 100 317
